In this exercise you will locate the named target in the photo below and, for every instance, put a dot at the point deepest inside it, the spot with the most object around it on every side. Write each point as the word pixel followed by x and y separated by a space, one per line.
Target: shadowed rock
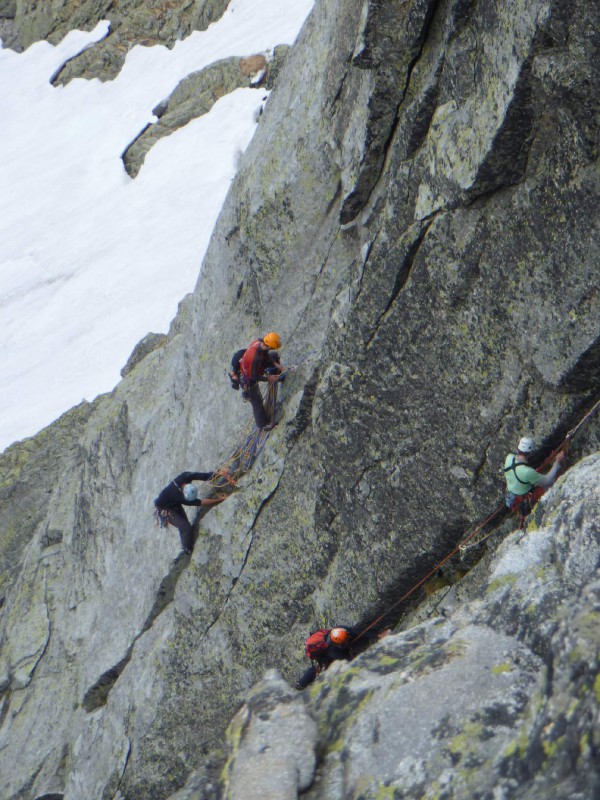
pixel 499 693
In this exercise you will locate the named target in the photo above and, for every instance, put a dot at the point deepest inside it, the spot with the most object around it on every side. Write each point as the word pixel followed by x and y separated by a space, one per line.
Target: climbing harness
pixel 162 517
pixel 513 468
pixel 523 504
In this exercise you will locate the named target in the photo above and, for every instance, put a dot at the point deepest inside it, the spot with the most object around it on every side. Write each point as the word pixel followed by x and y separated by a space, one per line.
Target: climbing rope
pixel 250 447
pixel 432 572
pixel 465 547
pixel 462 546
pixel 564 446
pixel 253 440
pixel 583 420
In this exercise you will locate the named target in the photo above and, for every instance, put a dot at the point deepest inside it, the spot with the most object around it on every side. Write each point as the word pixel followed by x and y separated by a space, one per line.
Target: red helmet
pixel 340 636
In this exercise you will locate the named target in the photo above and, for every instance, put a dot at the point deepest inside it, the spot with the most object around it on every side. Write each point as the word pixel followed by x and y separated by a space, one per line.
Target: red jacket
pixel 255 360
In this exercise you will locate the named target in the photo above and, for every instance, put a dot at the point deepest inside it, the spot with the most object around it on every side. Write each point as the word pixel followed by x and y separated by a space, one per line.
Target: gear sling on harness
pixel 523 503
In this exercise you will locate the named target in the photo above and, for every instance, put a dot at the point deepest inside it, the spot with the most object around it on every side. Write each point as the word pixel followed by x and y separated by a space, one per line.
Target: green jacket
pixel 520 478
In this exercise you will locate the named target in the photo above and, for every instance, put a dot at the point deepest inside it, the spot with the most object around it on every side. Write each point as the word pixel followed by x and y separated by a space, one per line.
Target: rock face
pixel 417 216
pixel 499 698
pixel 278 753
pixel 28 471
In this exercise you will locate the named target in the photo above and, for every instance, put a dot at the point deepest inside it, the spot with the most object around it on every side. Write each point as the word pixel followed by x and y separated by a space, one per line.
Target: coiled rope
pixel 250 447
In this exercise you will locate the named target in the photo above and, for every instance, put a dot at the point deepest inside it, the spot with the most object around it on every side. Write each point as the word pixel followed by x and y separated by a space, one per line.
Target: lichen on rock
pixel 427 328
pixel 473 703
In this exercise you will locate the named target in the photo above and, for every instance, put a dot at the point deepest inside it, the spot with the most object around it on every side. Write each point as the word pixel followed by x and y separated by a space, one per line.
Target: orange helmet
pixel 340 636
pixel 272 340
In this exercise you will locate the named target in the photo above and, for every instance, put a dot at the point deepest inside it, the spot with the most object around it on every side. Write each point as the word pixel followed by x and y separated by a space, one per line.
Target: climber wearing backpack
pixel 182 492
pixel 260 362
pixel 334 644
pixel 524 484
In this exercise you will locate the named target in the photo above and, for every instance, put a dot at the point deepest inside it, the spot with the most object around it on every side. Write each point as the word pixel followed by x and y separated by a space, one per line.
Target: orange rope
pixel 224 474
pixel 583 420
pixel 565 445
pixel 240 461
pixel 417 585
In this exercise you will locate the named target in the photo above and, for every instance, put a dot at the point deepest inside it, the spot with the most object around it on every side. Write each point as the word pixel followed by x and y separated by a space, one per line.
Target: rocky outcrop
pixel 150 343
pixel 131 23
pixel 417 216
pixel 197 94
pixel 277 758
pixel 496 698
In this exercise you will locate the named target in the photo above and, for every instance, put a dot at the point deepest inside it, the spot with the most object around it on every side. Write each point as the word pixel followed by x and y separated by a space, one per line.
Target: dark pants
pixel 255 397
pixel 179 519
pixel 307 677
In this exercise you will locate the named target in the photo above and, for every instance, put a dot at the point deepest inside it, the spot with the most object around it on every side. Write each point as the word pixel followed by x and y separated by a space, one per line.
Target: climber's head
pixel 190 492
pixel 526 445
pixel 340 636
pixel 272 340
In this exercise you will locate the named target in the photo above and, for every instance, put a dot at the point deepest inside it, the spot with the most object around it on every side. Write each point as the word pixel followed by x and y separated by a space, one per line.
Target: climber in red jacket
pixel 327 645
pixel 260 362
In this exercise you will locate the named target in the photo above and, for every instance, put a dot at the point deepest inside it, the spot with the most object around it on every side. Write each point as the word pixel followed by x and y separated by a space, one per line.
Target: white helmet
pixel 190 492
pixel 526 445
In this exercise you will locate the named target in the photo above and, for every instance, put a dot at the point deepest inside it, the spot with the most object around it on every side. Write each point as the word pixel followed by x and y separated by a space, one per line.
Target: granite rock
pixel 417 217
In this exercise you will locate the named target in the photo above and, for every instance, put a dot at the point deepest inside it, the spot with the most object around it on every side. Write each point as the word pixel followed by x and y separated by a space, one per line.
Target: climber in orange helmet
pixel 327 645
pixel 260 362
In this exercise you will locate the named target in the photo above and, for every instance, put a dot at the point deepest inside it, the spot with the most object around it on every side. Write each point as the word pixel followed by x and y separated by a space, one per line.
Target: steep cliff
pixel 498 697
pixel 417 216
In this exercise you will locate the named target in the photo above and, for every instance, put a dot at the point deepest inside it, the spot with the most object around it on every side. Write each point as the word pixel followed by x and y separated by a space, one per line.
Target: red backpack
pixel 248 367
pixel 317 643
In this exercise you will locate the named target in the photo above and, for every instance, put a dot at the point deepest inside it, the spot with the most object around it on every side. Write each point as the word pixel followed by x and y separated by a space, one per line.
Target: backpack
pixel 248 367
pixel 317 644
pixel 234 375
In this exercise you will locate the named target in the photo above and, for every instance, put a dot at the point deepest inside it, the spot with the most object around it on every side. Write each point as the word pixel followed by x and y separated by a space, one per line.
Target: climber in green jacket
pixel 524 484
